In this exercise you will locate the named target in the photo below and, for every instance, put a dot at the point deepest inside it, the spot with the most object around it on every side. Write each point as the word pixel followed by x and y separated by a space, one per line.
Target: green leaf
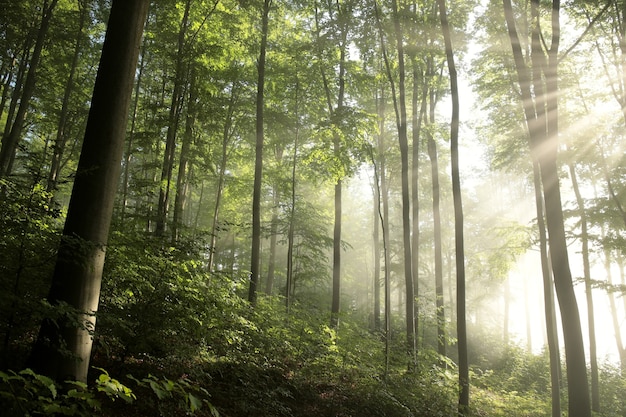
pixel 195 403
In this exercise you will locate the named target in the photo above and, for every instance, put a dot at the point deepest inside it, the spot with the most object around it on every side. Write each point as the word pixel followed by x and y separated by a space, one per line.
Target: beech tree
pixel 63 347
pixel 539 89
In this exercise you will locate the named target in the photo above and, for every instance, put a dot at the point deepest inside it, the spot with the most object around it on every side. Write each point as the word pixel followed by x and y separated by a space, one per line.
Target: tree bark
pixel 584 238
pixel 541 113
pixel 434 170
pixel 459 249
pixel 548 297
pixel 221 173
pixel 182 179
pixel 167 168
pixel 78 271
pixel 10 142
pixel 255 258
pixel 61 134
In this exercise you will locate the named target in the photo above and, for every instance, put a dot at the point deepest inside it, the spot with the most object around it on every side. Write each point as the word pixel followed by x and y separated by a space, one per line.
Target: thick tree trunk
pixel 255 258
pixel 10 142
pixel 78 272
pixel 541 112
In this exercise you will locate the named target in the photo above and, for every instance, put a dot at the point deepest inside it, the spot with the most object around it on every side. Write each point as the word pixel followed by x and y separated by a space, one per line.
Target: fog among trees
pixel 313 208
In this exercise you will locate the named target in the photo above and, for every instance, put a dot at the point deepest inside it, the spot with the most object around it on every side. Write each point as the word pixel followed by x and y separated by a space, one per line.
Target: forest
pixel 313 208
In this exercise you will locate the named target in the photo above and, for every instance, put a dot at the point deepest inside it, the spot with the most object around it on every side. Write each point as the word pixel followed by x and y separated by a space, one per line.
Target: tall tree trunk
pixel 416 122
pixel 458 218
pixel 255 258
pixel 548 298
pixel 61 134
pixel 271 266
pixel 7 82
pixel 506 317
pixel 18 87
pixel 182 179
pixel 76 282
pixel 336 279
pixel 292 209
pixel 541 113
pixel 613 308
pixel 406 201
pixel 382 192
pixel 584 238
pixel 221 173
pixel 176 105
pixel 434 169
pixel 131 136
pixel 399 103
pixel 10 142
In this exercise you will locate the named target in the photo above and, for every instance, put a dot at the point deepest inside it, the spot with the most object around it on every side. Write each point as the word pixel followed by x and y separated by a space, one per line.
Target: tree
pixel 10 142
pixel 258 165
pixel 458 217
pixel 399 103
pixel 539 93
pixel 75 288
pixel 172 125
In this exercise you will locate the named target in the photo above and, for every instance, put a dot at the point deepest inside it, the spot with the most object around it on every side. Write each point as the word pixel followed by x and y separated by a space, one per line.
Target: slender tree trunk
pixel 613 307
pixel 506 317
pixel 271 267
pixel 434 169
pixel 17 88
pixel 182 179
pixel 226 136
pixel 78 271
pixel 61 134
pixel 131 136
pixel 381 184
pixel 255 258
pixel 463 409
pixel 292 210
pixel 176 105
pixel 406 202
pixel 9 143
pixel 584 238
pixel 7 79
pixel 416 122
pixel 548 298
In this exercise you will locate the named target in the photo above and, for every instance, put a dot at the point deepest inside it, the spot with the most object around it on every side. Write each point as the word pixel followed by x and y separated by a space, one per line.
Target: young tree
pixel 78 272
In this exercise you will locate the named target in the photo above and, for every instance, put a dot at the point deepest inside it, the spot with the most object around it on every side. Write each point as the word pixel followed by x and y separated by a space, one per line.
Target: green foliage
pixel 30 230
pixel 27 393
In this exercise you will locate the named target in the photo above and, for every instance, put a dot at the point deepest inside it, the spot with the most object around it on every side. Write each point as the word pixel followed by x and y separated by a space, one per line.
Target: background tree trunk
pixel 458 218
pixel 255 258
pixel 9 143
